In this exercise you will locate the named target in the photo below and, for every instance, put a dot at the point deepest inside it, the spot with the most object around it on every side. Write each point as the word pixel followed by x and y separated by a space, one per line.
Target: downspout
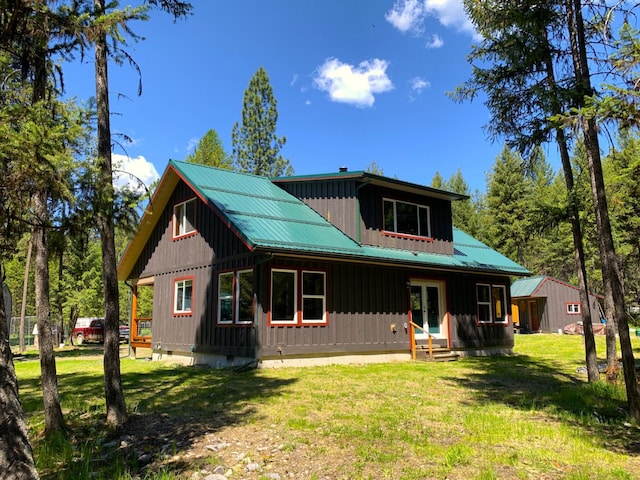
pixel 358 215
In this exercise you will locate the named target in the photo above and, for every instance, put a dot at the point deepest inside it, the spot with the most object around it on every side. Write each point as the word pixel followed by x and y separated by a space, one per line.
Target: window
pixel 406 218
pixel 284 305
pixel 235 297
pixel 183 296
pixel 313 297
pixel 298 297
pixel 184 215
pixel 573 309
pixel 492 303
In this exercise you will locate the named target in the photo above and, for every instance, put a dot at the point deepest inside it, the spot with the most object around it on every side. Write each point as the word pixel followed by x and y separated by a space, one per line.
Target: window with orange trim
pixel 298 297
pixel 183 296
pixel 235 297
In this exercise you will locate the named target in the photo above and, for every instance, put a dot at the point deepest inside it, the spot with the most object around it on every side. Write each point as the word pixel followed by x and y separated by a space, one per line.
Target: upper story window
pixel 184 218
pixel 406 218
pixel 492 303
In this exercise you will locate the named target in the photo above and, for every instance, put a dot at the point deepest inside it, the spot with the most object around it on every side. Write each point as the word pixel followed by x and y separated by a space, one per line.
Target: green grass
pixel 526 416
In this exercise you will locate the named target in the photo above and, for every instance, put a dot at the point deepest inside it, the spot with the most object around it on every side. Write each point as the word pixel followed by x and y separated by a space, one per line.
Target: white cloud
pixel 129 172
pixel 418 84
pixel 192 144
pixel 451 14
pixel 406 15
pixel 355 85
pixel 434 42
pixel 294 79
pixel 409 15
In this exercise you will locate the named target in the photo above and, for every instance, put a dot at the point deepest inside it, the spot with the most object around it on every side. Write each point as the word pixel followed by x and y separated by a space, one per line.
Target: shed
pixel 546 304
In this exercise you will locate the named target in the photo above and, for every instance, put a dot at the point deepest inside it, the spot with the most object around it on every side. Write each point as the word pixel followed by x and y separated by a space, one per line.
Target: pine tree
pixel 256 148
pixel 210 152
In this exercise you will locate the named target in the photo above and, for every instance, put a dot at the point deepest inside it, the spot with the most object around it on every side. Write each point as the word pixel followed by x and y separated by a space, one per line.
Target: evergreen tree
pixel 256 148
pixel 508 200
pixel 210 151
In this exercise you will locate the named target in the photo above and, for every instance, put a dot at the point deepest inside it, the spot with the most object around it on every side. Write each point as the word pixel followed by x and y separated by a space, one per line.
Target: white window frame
pixel 235 298
pixel 322 320
pixel 295 319
pixel 237 286
pixel 230 321
pixel 574 308
pixel 420 233
pixel 489 303
pixel 180 219
pixel 179 292
pixel 505 317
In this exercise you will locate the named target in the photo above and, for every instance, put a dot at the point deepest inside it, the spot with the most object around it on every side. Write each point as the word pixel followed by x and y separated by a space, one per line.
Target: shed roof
pixel 529 287
pixel 526 287
pixel 269 219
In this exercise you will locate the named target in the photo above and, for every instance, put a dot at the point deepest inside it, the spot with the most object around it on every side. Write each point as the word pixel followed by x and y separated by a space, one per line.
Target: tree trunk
pixel 16 455
pixel 54 421
pixel 614 295
pixel 25 290
pixel 591 358
pixel 114 395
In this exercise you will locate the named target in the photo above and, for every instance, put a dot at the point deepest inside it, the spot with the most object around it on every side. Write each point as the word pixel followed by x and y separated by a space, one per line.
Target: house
pixel 348 266
pixel 546 304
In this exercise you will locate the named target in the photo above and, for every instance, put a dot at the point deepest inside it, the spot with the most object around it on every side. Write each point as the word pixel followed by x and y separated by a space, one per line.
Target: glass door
pixel 427 307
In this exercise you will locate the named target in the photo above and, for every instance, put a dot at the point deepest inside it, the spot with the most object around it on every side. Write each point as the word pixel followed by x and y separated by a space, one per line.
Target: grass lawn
pixel 526 416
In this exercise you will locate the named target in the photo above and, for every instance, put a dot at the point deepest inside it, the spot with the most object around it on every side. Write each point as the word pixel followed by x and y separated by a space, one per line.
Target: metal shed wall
pixel 555 314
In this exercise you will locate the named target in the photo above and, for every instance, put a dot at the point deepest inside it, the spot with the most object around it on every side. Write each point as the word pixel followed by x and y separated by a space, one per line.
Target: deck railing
pixel 140 335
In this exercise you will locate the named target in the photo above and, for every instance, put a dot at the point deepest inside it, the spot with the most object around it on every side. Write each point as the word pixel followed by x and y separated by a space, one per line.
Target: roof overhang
pixel 373 179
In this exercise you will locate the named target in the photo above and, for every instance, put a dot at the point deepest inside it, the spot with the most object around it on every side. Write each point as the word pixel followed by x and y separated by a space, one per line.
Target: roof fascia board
pixel 378 180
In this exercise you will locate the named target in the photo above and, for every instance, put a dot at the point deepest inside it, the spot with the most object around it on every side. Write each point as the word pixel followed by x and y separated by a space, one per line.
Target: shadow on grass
pixel 533 384
pixel 171 409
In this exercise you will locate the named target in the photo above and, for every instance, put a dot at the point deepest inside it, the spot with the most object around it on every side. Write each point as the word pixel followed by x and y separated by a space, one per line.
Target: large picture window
pixel 492 303
pixel 184 217
pixel 406 218
pixel 183 296
pixel 298 297
pixel 235 297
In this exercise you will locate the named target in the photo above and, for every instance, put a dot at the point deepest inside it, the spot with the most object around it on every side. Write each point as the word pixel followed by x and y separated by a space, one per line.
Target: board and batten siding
pixel 335 200
pixel 371 205
pixel 363 302
pixel 213 249
pixel 553 315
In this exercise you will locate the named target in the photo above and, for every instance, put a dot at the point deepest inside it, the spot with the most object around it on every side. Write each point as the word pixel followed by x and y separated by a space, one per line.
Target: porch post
pixel 133 331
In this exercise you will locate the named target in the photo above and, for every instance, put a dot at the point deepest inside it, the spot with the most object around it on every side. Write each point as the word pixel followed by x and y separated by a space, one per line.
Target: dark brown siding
pixel 335 200
pixel 213 249
pixel 365 300
pixel 371 202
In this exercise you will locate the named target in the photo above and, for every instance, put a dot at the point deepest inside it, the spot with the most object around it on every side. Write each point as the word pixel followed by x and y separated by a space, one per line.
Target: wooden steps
pixel 439 354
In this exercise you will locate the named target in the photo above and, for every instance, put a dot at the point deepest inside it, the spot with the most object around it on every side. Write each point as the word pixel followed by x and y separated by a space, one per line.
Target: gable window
pixel 406 218
pixel 492 303
pixel 183 296
pixel 298 297
pixel 235 297
pixel 574 309
pixel 184 216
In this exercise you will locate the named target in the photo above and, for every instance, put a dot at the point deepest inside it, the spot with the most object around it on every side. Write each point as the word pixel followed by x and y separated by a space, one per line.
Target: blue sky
pixel 356 81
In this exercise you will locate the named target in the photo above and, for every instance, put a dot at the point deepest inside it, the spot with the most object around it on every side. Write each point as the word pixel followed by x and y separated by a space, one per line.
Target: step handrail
pixel 412 336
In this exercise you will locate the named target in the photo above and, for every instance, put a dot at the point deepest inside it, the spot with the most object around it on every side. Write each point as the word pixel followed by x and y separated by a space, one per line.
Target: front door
pixel 427 308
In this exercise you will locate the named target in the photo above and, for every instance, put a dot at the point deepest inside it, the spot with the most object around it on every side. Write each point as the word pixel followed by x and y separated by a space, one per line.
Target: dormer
pixel 380 211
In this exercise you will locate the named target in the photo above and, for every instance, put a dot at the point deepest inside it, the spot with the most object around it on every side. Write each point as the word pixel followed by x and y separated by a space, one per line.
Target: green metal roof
pixel 525 287
pixel 269 218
